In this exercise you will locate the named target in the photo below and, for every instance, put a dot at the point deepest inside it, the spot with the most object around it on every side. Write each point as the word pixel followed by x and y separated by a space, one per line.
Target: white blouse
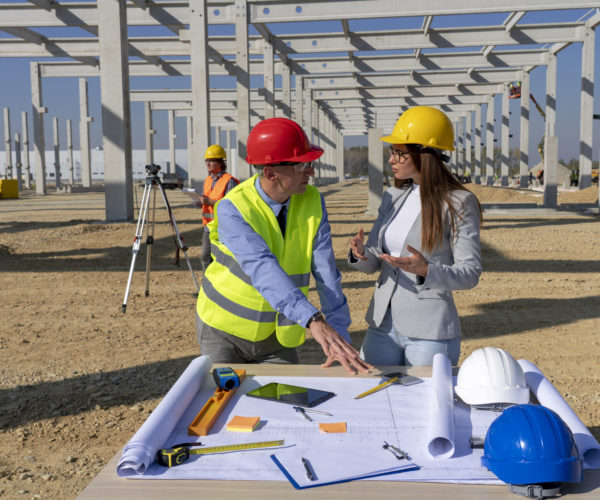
pixel 395 235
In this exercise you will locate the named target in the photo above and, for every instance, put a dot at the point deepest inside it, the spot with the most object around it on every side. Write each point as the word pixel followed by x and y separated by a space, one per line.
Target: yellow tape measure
pixel 170 457
pixel 236 447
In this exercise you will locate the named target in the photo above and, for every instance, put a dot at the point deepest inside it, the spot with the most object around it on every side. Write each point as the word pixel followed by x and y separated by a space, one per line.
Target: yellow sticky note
pixel 332 427
pixel 243 424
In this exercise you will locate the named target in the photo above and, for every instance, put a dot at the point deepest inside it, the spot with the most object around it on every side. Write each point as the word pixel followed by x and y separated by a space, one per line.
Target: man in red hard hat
pixel 267 237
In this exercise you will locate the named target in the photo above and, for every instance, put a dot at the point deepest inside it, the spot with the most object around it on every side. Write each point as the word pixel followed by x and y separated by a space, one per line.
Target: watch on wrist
pixel 318 316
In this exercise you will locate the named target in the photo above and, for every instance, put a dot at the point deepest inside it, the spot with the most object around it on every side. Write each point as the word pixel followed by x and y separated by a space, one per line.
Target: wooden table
pixel 107 485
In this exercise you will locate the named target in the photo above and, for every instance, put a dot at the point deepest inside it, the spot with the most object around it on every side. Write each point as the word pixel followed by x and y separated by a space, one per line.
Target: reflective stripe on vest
pixel 229 261
pixel 227 299
pixel 214 193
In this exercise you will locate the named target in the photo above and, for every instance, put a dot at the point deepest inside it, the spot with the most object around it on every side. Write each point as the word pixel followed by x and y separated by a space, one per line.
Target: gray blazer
pixel 423 310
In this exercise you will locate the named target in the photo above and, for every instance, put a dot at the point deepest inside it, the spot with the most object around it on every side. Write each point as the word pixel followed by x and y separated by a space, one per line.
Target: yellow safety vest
pixel 227 300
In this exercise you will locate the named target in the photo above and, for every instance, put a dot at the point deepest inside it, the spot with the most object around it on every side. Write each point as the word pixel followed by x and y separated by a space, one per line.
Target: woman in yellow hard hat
pixel 425 243
pixel 216 186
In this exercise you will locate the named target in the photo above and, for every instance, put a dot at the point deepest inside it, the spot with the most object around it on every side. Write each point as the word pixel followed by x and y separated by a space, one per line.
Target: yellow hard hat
pixel 215 152
pixel 423 125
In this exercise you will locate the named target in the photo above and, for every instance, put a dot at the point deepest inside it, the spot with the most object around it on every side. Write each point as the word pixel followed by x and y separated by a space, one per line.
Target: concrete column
pixel 200 90
pixel 286 80
pixel 25 143
pixel 551 141
pixel 586 124
pixel 489 143
pixel 149 133
pixel 300 101
pixel 329 150
pixel 269 78
pixel 84 134
pixel 504 137
pixel 230 163
pixel 307 113
pixel 38 111
pixel 218 135
pixel 70 153
pixel 524 139
pixel 18 163
pixel 325 145
pixel 242 86
pixel 172 169
pixel 468 170
pixel 478 141
pixel 460 167
pixel 56 152
pixel 454 167
pixel 314 137
pixel 116 119
pixel 375 170
pixel 7 145
pixel 339 156
pixel 190 140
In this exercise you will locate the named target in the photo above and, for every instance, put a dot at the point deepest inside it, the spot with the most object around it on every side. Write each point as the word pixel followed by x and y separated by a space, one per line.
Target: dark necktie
pixel 281 219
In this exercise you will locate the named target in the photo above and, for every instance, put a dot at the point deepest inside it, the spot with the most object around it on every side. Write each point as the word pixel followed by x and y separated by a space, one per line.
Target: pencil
pixel 376 388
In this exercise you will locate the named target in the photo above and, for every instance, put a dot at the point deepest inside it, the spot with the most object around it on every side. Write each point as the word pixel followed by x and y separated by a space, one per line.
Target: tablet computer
pixel 291 394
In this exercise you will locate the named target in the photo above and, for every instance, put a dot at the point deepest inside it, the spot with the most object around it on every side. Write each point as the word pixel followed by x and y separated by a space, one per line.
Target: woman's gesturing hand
pixel 416 263
pixel 357 245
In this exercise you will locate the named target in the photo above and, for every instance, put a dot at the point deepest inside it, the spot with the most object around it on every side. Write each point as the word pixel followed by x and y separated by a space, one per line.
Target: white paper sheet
pixel 548 396
pixel 440 443
pixel 141 450
pixel 344 462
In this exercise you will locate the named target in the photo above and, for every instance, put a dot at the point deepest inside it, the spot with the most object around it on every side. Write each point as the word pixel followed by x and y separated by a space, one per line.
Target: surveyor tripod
pixel 153 183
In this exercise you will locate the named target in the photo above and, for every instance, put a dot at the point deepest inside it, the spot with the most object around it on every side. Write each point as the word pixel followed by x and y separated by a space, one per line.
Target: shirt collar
pixel 274 205
pixel 217 175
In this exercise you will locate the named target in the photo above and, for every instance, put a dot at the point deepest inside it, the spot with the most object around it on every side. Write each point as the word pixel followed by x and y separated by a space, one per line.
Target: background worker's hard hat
pixel 428 127
pixel 277 140
pixel 530 444
pixel 215 152
pixel 491 376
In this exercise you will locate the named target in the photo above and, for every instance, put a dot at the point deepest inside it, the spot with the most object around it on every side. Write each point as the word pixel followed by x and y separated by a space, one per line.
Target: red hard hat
pixel 277 140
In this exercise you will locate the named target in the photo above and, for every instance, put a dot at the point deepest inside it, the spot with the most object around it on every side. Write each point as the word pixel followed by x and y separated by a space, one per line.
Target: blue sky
pixel 61 94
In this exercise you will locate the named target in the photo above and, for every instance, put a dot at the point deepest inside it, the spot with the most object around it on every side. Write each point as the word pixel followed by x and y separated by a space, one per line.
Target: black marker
pixel 309 472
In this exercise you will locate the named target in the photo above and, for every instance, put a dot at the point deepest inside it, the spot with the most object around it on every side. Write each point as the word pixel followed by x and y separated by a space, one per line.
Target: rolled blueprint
pixel 548 396
pixel 140 451
pixel 440 442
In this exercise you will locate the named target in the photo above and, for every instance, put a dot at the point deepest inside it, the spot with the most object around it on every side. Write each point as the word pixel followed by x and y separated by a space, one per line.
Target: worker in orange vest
pixel 216 186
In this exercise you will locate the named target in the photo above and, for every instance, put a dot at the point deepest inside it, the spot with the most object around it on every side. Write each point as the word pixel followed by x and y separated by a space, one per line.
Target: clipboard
pixel 291 466
pixel 193 194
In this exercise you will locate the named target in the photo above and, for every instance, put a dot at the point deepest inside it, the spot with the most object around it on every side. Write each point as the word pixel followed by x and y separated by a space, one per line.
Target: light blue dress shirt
pixel 272 282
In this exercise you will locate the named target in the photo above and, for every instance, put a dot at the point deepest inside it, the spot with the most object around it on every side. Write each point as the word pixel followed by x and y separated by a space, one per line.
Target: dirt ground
pixel 78 377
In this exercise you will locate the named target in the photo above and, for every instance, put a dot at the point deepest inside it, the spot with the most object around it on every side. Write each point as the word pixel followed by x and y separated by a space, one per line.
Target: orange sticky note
pixel 332 427
pixel 243 424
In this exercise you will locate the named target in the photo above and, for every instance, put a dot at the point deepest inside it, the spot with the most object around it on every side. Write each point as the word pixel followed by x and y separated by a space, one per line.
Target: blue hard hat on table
pixel 531 444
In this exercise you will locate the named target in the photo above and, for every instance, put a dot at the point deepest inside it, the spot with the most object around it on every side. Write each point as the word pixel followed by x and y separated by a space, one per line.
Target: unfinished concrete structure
pixel 334 82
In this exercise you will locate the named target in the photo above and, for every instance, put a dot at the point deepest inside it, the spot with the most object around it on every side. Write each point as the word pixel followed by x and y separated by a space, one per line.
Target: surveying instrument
pixel 153 183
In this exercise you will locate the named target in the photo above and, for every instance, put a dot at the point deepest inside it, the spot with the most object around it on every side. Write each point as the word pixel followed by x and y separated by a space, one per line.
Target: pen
pixel 309 472
pixel 299 408
pixel 303 413
pixel 376 388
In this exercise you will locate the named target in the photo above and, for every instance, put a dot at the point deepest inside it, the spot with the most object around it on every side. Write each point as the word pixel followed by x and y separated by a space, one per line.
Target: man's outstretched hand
pixel 336 348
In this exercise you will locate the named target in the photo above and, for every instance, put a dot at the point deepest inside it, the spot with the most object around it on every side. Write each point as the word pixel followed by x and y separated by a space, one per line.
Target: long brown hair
pixel 437 184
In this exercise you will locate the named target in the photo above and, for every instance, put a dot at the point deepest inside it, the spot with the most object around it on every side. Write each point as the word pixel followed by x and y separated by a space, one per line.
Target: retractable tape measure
pixel 170 457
